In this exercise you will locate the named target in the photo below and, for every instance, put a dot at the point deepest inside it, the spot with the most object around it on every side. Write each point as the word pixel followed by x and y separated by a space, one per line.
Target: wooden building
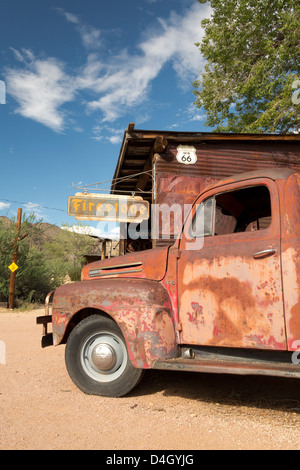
pixel 167 167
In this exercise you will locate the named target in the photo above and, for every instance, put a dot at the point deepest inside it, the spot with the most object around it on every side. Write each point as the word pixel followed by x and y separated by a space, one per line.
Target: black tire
pixel 97 358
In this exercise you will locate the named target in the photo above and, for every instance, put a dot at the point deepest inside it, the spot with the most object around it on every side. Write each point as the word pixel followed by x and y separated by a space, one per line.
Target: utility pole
pixel 11 298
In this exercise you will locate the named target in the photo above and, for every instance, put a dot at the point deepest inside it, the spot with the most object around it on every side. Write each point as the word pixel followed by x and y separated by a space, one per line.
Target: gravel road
pixel 41 409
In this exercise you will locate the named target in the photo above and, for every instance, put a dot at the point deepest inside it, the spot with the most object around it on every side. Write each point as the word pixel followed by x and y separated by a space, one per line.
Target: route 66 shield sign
pixel 186 154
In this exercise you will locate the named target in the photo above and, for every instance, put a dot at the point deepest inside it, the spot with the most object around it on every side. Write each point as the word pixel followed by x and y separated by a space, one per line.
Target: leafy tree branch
pixel 252 51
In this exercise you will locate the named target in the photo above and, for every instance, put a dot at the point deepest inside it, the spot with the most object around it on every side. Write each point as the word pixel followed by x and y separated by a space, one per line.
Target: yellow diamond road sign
pixel 13 267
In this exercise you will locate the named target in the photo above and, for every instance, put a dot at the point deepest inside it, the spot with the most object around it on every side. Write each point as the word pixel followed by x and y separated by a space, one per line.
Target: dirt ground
pixel 40 407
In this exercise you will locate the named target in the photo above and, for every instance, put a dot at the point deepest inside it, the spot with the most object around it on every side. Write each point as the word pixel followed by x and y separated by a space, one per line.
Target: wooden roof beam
pixel 159 146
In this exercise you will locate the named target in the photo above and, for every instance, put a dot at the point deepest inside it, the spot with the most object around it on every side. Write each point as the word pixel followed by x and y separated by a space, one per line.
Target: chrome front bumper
pixel 47 338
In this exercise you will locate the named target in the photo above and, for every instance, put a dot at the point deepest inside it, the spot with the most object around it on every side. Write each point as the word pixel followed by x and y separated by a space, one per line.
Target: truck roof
pixel 271 173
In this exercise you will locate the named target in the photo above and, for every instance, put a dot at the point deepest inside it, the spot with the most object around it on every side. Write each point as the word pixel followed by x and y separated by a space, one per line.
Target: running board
pixel 232 361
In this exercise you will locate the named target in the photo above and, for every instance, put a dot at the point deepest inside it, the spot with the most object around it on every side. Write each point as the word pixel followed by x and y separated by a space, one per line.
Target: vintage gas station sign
pixel 108 207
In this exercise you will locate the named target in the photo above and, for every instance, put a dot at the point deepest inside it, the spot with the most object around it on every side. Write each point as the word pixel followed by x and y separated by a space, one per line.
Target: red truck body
pixel 231 305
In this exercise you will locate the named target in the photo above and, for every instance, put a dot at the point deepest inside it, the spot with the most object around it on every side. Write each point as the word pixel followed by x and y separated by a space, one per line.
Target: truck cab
pixel 223 298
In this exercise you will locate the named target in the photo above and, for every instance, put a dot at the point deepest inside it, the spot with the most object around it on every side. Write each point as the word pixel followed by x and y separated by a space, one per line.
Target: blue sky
pixel 76 73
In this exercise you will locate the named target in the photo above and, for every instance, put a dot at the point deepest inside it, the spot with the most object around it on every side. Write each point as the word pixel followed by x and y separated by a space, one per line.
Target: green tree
pixel 66 252
pixel 43 263
pixel 6 249
pixel 33 277
pixel 251 78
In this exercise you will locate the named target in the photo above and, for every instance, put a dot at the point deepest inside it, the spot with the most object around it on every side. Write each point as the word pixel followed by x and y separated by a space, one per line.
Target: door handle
pixel 264 253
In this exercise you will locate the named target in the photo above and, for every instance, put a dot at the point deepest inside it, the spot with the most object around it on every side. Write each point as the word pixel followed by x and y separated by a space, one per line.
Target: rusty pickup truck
pixel 230 304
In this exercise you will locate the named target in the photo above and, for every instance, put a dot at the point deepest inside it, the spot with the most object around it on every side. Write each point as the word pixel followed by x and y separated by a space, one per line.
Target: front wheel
pixel 97 358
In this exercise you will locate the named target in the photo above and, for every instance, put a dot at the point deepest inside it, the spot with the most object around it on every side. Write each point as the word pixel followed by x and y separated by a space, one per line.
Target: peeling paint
pixel 242 297
pixel 220 296
pixel 141 308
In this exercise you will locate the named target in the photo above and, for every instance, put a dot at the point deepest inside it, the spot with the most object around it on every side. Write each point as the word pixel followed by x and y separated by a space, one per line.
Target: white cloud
pixel 26 56
pixel 126 81
pixel 90 36
pixel 112 135
pixel 82 229
pixel 42 87
pixel 115 139
pixel 176 43
pixel 194 113
pixel 32 206
pixel 37 209
pixel 4 205
pixel 108 231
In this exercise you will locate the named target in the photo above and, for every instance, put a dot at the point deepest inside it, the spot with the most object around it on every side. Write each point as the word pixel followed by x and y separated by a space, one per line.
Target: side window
pixel 246 209
pixel 203 221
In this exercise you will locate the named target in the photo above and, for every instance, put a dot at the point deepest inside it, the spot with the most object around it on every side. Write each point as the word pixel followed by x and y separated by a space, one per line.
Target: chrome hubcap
pixel 103 356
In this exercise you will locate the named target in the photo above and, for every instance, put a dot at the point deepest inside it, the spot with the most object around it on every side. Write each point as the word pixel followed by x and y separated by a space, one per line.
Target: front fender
pixel 142 309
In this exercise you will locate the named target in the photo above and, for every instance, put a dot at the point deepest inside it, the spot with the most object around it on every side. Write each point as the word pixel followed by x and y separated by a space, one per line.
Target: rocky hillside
pixel 47 233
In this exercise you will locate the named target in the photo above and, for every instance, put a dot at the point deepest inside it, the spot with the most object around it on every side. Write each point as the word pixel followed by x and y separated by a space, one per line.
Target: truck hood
pixel 148 264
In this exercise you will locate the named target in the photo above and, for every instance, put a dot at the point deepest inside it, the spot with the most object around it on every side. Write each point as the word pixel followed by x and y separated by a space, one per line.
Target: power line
pixel 113 181
pixel 38 206
pixel 84 187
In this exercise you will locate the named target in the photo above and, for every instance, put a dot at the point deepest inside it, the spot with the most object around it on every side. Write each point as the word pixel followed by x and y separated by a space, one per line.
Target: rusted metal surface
pixel 141 308
pixel 177 183
pixel 249 367
pixel 221 295
pixel 228 298
pixel 290 246
pixel 173 190
pixel 218 156
pixel 148 267
pixel 225 158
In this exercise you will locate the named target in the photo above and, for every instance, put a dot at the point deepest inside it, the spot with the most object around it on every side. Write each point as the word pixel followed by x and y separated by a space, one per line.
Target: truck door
pixel 230 289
